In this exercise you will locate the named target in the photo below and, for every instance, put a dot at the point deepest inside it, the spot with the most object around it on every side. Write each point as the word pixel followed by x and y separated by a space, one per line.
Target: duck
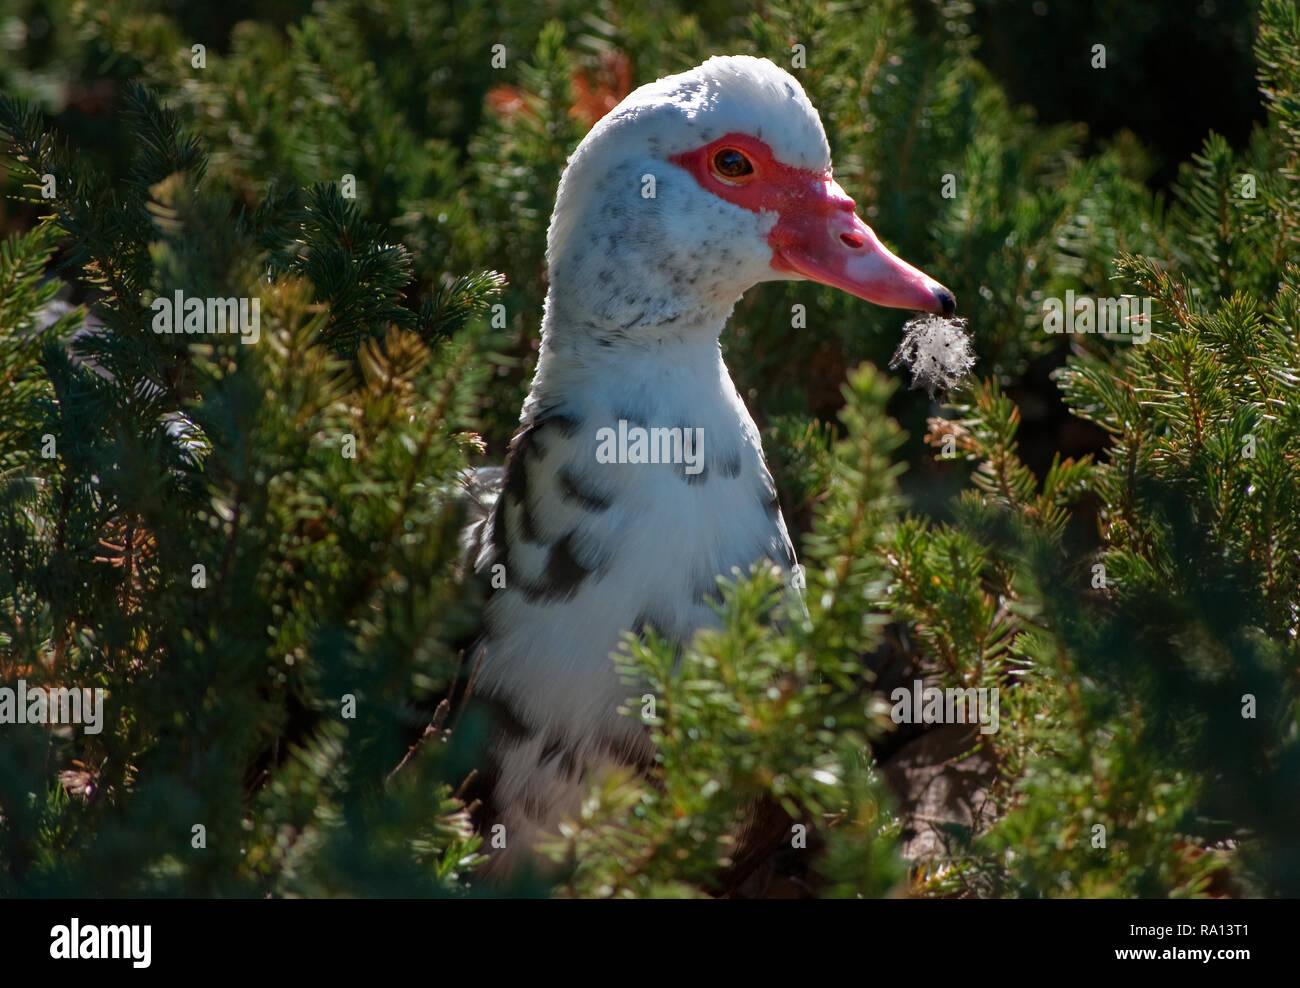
pixel 637 475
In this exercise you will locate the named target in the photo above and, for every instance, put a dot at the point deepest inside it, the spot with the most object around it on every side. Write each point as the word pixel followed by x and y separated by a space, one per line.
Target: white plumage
pixel 640 289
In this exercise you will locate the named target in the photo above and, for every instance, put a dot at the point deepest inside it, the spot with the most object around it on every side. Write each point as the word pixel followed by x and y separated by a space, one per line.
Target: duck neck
pixel 651 370
pixel 630 315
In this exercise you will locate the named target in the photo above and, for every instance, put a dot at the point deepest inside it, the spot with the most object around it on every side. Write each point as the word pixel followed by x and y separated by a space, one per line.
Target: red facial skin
pixel 817 233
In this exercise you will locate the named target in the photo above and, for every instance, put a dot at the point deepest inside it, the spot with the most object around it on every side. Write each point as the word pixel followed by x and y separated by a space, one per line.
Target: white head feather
pixel 627 267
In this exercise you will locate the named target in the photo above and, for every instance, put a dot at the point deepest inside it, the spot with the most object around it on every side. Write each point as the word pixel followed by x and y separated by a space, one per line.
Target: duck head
pixel 697 187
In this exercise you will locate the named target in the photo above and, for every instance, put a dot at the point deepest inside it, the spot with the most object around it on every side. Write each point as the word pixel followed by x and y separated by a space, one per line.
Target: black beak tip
pixel 947 301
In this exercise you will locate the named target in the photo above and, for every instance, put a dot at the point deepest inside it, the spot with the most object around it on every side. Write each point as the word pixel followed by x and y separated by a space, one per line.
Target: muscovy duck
pixel 692 190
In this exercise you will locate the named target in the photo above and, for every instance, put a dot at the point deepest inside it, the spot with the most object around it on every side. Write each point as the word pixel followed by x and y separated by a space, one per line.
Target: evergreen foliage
pixel 255 549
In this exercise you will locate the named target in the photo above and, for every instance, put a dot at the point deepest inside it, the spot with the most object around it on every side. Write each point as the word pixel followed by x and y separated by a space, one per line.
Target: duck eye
pixel 730 163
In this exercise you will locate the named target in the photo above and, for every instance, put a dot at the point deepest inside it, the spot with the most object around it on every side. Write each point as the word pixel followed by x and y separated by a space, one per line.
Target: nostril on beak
pixel 851 241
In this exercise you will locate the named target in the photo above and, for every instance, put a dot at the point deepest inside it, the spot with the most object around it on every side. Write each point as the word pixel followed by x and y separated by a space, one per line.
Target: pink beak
pixel 820 237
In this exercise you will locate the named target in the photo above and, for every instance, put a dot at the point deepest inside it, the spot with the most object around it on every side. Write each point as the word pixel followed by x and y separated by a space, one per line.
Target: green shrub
pixel 252 549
